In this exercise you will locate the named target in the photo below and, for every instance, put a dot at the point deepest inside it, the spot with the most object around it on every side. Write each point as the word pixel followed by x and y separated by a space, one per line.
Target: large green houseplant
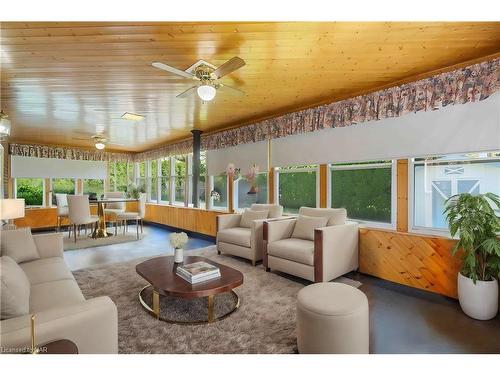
pixel 474 219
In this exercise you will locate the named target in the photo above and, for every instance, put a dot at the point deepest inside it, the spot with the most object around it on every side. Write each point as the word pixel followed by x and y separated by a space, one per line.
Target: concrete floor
pixel 402 319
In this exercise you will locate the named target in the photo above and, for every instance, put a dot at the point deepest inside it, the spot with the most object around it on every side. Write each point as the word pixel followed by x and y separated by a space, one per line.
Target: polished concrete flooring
pixel 402 319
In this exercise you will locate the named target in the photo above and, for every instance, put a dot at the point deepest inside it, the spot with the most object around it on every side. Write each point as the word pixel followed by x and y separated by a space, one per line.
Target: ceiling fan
pixel 98 139
pixel 207 76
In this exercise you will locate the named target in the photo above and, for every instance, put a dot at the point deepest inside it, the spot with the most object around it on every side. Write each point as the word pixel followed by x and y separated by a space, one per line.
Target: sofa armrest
pixel 279 228
pixel 92 325
pixel 335 250
pixel 228 221
pixel 49 245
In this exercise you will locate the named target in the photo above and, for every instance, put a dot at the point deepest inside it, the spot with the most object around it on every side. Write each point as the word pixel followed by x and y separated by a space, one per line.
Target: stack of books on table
pixel 198 272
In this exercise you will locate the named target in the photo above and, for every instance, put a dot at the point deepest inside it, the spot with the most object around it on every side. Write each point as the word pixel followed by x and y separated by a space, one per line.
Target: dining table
pixel 100 231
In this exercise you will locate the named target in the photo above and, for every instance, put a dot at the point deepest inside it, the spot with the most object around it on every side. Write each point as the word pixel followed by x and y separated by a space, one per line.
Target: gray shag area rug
pixel 264 322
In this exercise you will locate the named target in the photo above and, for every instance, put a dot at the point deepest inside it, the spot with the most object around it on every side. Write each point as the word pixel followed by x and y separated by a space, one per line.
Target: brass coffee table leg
pixel 156 304
pixel 210 309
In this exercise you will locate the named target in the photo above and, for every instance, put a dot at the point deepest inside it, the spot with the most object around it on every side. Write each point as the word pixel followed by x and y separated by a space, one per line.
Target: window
pixel 202 180
pixel 61 186
pixel 297 187
pixel 245 196
pixel 165 180
pixel 141 175
pixel 119 178
pixel 435 179
pixel 365 190
pixel 218 192
pixel 94 188
pixel 153 181
pixel 179 177
pixel 31 190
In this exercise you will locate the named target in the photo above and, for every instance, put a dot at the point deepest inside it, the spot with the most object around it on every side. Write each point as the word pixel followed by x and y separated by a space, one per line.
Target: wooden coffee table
pixel 160 273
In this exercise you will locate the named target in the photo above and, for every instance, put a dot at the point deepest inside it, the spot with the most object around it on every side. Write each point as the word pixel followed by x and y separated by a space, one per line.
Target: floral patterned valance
pixel 57 152
pixel 179 148
pixel 470 84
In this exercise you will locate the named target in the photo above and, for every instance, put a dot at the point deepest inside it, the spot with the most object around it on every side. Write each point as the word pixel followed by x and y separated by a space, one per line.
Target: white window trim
pixel 277 172
pixel 394 189
pixel 211 206
pixel 44 204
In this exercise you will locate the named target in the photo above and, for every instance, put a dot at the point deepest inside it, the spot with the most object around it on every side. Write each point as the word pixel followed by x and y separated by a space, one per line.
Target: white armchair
pixel 332 253
pixel 244 239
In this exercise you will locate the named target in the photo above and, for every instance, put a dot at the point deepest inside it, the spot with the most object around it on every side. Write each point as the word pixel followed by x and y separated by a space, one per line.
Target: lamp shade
pixel 11 208
pixel 206 92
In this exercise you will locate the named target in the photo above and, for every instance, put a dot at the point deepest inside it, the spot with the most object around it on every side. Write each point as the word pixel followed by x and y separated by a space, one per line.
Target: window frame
pixel 51 193
pixel 278 170
pixel 149 181
pixel 210 180
pixel 368 165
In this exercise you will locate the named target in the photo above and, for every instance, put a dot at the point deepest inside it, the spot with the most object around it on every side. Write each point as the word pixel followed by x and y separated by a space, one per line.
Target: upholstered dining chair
pixel 241 234
pixel 62 209
pixel 318 245
pixel 113 208
pixel 79 213
pixel 138 216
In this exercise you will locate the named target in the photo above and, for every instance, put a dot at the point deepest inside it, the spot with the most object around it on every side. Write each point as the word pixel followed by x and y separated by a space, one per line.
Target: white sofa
pixel 244 241
pixel 61 310
pixel 332 252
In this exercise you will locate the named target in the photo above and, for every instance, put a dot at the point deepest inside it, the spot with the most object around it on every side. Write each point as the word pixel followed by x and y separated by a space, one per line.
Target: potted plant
pixel 251 177
pixel 134 191
pixel 178 241
pixel 474 220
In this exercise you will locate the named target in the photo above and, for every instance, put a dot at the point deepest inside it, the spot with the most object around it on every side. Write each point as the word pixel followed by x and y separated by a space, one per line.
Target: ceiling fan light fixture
pixel 100 145
pixel 206 92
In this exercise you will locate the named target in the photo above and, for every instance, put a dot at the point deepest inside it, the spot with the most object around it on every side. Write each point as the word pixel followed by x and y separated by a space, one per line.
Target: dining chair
pixel 113 208
pixel 62 209
pixel 79 213
pixel 137 216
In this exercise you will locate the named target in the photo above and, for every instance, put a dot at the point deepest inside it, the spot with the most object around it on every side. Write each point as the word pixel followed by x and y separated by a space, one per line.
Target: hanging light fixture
pixel 99 144
pixel 4 125
pixel 206 92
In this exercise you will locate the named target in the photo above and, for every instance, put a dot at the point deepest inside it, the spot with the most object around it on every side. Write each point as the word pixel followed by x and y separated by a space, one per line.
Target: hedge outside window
pixel 364 190
pixel 165 179
pixel 437 178
pixel 31 190
pixel 297 187
pixel 202 180
pixel 180 165
pixel 243 199
pixel 153 181
pixel 118 178
pixel 62 186
pixel 94 188
pixel 141 175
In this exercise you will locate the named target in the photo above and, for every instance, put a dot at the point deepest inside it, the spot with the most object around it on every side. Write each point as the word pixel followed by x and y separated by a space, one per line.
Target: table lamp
pixel 11 209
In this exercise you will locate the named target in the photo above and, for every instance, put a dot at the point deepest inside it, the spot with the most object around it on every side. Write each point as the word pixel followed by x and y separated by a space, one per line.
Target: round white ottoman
pixel 332 318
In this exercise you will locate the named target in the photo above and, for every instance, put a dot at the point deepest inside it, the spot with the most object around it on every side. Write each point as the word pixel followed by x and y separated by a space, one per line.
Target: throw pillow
pixel 19 245
pixel 249 216
pixel 15 289
pixel 305 226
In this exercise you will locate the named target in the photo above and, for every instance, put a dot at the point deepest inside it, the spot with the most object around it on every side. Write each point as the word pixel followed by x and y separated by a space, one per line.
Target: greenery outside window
pixel 153 181
pixel 165 180
pixel 141 175
pixel 218 193
pixel 365 190
pixel 94 188
pixel 61 186
pixel 435 179
pixel 31 190
pixel 179 179
pixel 297 187
pixel 202 180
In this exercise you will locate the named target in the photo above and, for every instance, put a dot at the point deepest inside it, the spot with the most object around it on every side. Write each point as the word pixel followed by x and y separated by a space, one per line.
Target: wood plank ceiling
pixel 59 81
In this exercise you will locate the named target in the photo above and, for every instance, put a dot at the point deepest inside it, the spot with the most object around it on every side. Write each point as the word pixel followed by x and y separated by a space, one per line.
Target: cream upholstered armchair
pixel 241 234
pixel 318 245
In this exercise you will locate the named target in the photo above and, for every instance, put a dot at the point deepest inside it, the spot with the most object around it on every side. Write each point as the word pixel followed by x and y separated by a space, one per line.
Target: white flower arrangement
pixel 178 240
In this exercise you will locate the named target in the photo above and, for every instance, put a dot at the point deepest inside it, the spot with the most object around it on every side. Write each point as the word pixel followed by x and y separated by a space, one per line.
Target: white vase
pixel 179 255
pixel 479 300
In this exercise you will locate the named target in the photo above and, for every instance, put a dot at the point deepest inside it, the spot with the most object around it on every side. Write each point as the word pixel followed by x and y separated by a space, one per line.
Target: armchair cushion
pixel 336 216
pixel 19 245
pixel 275 210
pixel 305 226
pixel 249 216
pixel 15 289
pixel 294 249
pixel 237 235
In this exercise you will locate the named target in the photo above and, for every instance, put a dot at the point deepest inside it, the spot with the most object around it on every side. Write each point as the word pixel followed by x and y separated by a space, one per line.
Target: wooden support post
pixel 323 185
pixel 402 195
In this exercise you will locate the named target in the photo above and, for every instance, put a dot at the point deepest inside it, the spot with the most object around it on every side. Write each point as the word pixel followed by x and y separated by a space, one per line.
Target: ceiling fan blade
pixel 173 70
pixel 228 67
pixel 81 139
pixel 186 93
pixel 231 89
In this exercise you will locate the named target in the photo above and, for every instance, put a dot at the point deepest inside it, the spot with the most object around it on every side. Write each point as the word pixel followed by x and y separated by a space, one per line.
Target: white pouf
pixel 332 318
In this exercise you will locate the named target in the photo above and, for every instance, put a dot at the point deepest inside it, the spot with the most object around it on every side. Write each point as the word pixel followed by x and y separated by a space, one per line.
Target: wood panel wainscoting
pixel 423 262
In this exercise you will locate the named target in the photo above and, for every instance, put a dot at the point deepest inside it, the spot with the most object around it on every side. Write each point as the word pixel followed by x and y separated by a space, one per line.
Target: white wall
pixel 22 166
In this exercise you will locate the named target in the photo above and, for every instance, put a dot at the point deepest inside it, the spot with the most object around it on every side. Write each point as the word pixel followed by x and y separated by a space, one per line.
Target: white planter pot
pixel 479 300
pixel 179 255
